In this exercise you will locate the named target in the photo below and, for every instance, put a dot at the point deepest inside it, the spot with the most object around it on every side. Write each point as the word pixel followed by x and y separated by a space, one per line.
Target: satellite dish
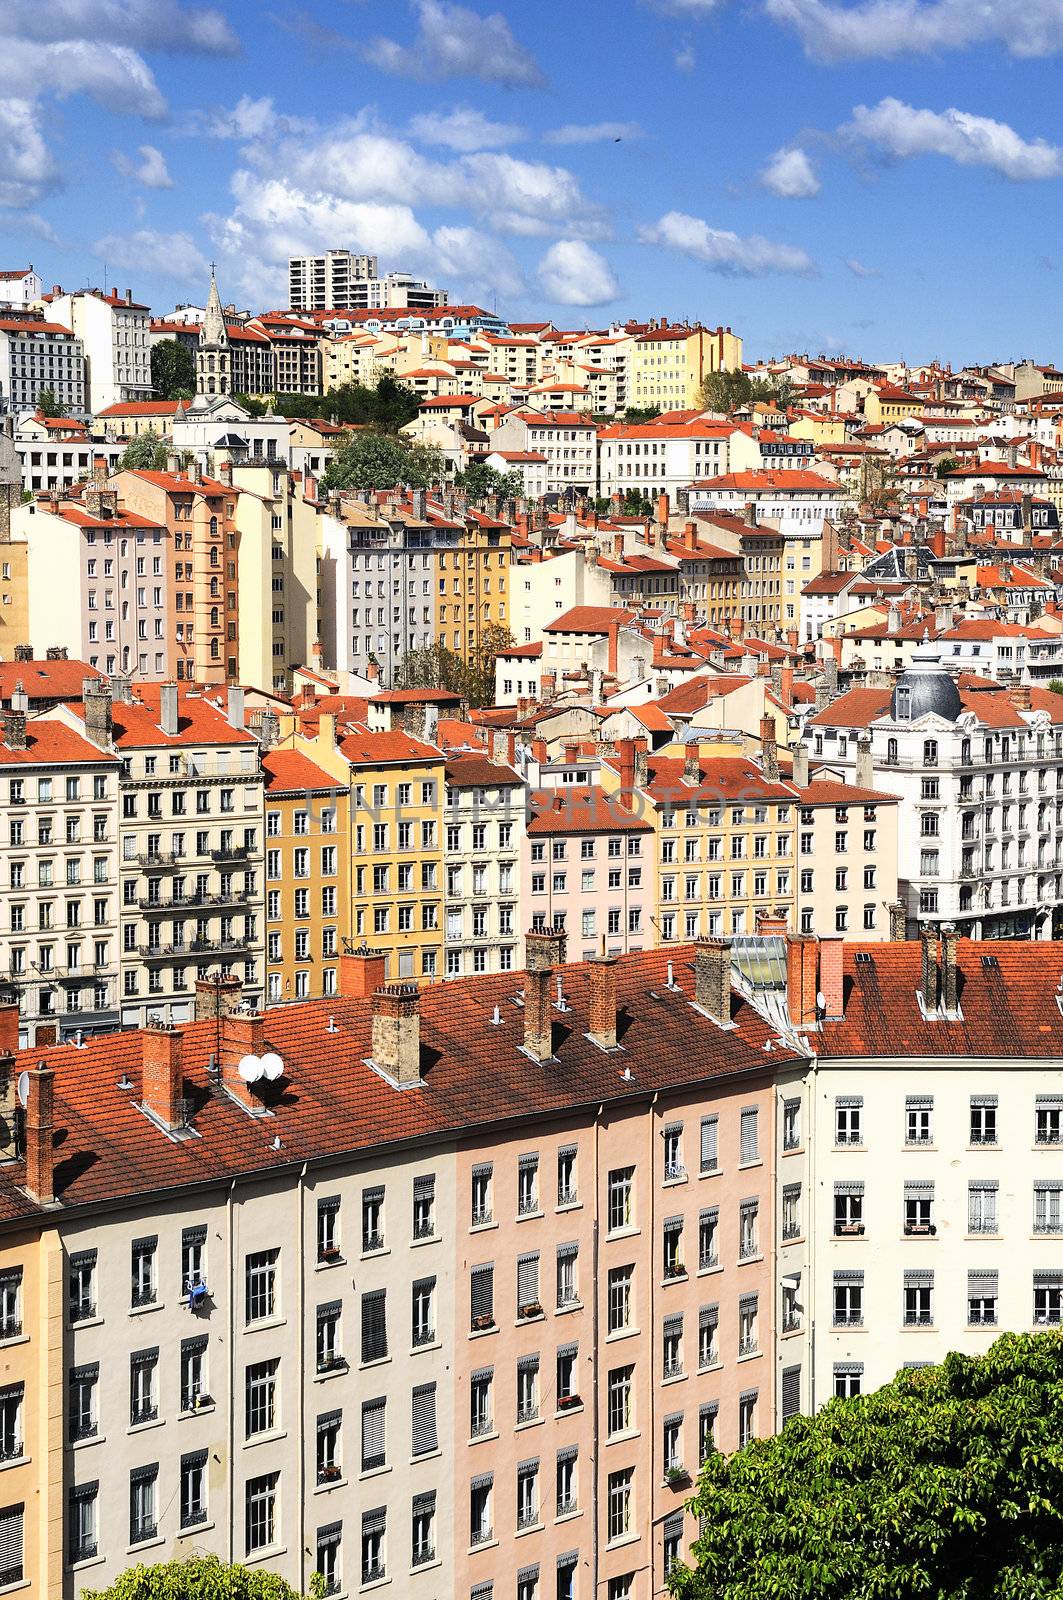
pixel 821 1000
pixel 250 1068
pixel 23 1089
pixel 272 1065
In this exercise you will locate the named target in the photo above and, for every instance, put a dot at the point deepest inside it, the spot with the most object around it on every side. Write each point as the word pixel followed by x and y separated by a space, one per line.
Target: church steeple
pixel 214 356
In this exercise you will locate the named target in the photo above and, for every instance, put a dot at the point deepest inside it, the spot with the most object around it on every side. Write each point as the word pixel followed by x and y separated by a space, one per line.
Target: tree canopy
pixel 726 391
pixel 479 480
pixel 48 405
pixel 441 668
pixel 946 1484
pixel 146 452
pixel 946 465
pixel 371 460
pixel 173 370
pixel 199 1578
pixel 387 407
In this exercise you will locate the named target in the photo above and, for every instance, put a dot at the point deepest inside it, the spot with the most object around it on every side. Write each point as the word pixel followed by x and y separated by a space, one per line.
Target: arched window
pixel 214 617
pixel 215 650
pixel 213 527
pixel 891 751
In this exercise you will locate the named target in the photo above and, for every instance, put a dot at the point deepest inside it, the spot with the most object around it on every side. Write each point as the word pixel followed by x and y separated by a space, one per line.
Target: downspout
pixel 231 1367
pixel 301 1375
pixel 595 1326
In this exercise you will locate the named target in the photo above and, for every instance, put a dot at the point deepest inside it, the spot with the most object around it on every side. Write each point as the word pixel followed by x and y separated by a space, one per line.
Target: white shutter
pixel 424 1419
pixel 749 1148
pixel 11 1544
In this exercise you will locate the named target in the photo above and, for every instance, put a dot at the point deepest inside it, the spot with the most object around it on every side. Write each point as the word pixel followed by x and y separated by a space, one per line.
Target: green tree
pixel 199 1578
pixel 437 667
pixel 726 391
pixel 145 452
pixel 48 405
pixel 1055 685
pixel 641 413
pixel 946 1484
pixel 945 466
pixel 370 460
pixel 251 404
pixel 479 480
pixel 173 370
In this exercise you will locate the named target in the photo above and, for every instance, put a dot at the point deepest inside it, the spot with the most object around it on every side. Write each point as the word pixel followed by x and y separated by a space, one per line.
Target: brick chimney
pixel 162 1076
pixel 626 752
pixel 769 750
pixel 930 975
pixel 40 1153
pixel 898 913
pixel 712 977
pixel 216 997
pixel 397 1032
pixel 950 992
pixel 361 973
pixel 831 977
pixel 544 951
pixel 602 975
pixel 242 1034
pixel 801 979
pixel 96 699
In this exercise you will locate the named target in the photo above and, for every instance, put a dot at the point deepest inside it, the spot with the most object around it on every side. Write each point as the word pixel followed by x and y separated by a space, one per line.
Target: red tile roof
pixel 727 779
pixel 199 721
pixel 290 772
pixel 387 748
pixel 51 741
pixel 45 680
pixel 581 809
pixel 771 482
pixel 477 772
pixel 588 619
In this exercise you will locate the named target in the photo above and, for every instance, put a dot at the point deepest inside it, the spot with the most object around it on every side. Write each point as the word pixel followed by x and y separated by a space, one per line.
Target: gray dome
pixel 925 686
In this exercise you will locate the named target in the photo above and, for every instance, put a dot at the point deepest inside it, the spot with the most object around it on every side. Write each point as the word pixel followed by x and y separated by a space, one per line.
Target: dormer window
pixel 904 702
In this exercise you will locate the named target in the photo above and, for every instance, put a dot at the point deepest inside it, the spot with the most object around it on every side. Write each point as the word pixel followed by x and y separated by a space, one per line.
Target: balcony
pixel 423 1554
pixel 233 852
pixel 483 1534
pixel 192 902
pixel 159 861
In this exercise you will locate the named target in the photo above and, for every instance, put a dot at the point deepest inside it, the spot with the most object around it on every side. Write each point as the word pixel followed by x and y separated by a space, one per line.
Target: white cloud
pixel 592 132
pixel 138 24
pixel 150 170
pixel 168 255
pixel 455 42
pixel 685 59
pixel 723 251
pixel 464 129
pixel 790 174
pixel 572 274
pixel 859 270
pixel 887 29
pixel 26 167
pixel 247 119
pixel 110 74
pixel 903 131
pixel 481 264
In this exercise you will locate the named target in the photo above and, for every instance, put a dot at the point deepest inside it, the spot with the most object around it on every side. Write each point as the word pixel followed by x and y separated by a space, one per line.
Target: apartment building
pixel 59 871
pixel 307 871
pixel 55 453
pixel 587 871
pixel 296 353
pixel 846 858
pixel 568 440
pixel 275 529
pixel 97 574
pixel 670 362
pixel 37 355
pixel 483 841
pixel 762 547
pixel 203 1328
pixel 115 336
pixel 379 586
pixel 472 580
pixel 654 458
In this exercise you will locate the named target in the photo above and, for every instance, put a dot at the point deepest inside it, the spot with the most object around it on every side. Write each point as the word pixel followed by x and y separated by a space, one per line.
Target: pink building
pixel 587 871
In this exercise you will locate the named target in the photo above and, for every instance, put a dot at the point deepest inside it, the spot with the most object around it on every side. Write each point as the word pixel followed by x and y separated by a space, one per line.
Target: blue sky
pixel 879 177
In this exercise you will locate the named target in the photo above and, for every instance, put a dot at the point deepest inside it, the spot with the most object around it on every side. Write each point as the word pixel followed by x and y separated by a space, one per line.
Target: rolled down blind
pixel 374 1326
pixel 483 1291
pixel 375 1521
pixel 527 1279
pixel 374 1418
pixel 749 1145
pixel 11 1543
pixel 981 1283
pixel 791 1392
pixel 424 1419
pixel 710 1129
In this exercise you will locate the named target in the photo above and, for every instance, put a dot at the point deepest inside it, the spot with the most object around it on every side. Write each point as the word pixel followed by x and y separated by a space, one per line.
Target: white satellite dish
pixel 250 1068
pixel 23 1090
pixel 821 1000
pixel 272 1065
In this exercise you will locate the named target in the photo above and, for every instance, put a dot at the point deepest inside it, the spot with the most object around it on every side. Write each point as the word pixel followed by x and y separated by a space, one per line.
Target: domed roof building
pixel 925 686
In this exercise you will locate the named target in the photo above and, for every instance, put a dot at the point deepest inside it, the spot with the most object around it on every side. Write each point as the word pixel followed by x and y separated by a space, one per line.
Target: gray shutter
pixel 981 1283
pixel 424 1419
pixel 374 1419
pixel 375 1521
pixel 791 1392
pixel 710 1140
pixel 749 1142
pixel 374 1325
pixel 11 1543
pixel 527 1279
pixel 483 1291
pixel 919 1278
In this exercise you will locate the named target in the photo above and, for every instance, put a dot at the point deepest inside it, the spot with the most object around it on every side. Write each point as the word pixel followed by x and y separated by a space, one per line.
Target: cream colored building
pixel 483 832
pixel 277 572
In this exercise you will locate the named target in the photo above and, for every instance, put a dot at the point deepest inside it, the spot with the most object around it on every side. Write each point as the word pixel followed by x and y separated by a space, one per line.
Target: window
pixel 260 1512
pixel 791 1211
pixel 1049 1119
pixel 328 1226
pixel 983 1119
pixel 424 1199
pixel 749 1137
pixel 848 1207
pixel 621 1380
pixel 673 1152
pixel 81 1522
pixel 672 1347
pixel 1047 1206
pixel 710 1132
pixel 193 1489
pixel 708 1331
pixel 11 1536
pixel 260 1274
pixel 672 1442
pixel 620 1493
pixel 423 1528
pixel 425 1440
pixel 918 1206
pixel 527 1388
pixel 329 1358
pixel 918 1298
pixel 981 1298
pixel 372 1219
pixel 480 1418
pixel 327 1560
pixel 143 1482
pixel 707 1415
pixel 747 1325
pixel 193 1259
pixel 791 1392
pixel 619 1292
pixel 82 1285
pixel 567 1498
pixel 1047 1298
pixel 11 1421
pixel 194 1393
pixel 327 1447
pixel 423 1312
pixel 260 1397
pixel 374 1434
pixel 144 1288
pixel 143 1386
pixel 708 1238
pixel 527 1494
pixel 848 1376
pixel 82 1414
pixel 482 1298
pixel 848 1299
pixel 847 1111
pixel 481 1195
pixel 374 1325
pixel 791 1124
pixel 747 1228
pixel 527 1185
pixel 567 1286
pixel 747 1417
pixel 566 1175
pixel 480 1530
pixel 621 1192
pixel 918 1115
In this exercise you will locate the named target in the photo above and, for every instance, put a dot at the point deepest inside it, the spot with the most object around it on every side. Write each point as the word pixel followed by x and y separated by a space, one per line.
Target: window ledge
pixel 265 1322
pixel 675 1377
pixel 678 1277
pixel 743 1166
pixel 19 1338
pixel 532 1527
pixel 754 1355
pixel 142 1311
pixel 483 1333
pixel 145 1544
pixel 674 1183
pixel 622 1233
pixel 482 1227
pixel 323 1266
pixel 419 1349
pixel 269 1552
pixel 568 1308
pixel 373 1472
pixel 86 1562
pixel 195 1530
pixel 85 1322
pixel 713 1366
pixel 265 1438
pixel 200 1411
pixel 16 1461
pixel 426 1566
pixel 571 1205
pixel 569 1516
pixel 374 1255
pixel 707 1272
pixel 146 1427
pixel 83 1444
pixel 416 1244
pixel 569 1411
pixel 621 1333
pixel 484 1438
pixel 488 1544
pixel 336 1372
pixel 363 1366
pixel 627 1538
pixel 13 1588
pixel 532 1422
pixel 426 1455
pixel 750 1261
pixel 329 1484
pixel 624 1438
pixel 529 1216
pixel 523 1322
pixel 791 1333
pixel 995 1238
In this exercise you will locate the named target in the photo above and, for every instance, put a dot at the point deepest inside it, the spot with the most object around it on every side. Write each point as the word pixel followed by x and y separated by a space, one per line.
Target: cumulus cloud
pixel 480 263
pixel 887 29
pixel 137 24
pixel 572 274
pixel 592 132
pixel 463 129
pixel 902 131
pixel 454 42
pixel 859 270
pixel 247 119
pixel 150 169
pixel 725 252
pixel 168 255
pixel 790 174
pixel 26 167
pixel 685 59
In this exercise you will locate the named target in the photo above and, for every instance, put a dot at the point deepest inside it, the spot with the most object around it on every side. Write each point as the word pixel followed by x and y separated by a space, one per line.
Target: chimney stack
pixel 162 1077
pixel 235 707
pixel 898 914
pixel 397 1032
pixel 602 974
pixel 950 993
pixel 769 750
pixel 168 709
pixel 712 978
pixel 930 976
pixel 242 1034
pixel 216 997
pixel 865 772
pixel 362 972
pixel 40 1153
pixel 96 699
pixel 691 764
pixel 801 979
pixel 15 730
pixel 831 977
pixel 545 950
pixel 800 755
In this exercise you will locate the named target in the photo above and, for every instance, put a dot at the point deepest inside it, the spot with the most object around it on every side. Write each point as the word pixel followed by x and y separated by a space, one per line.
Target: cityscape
pixel 531 829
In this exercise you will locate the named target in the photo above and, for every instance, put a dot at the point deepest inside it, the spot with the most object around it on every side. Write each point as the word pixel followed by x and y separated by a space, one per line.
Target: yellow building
pixel 472 559
pixel 888 404
pixel 394 802
pixel 307 877
pixel 822 427
pixel 669 364
pixel 277 569
pixel 14 595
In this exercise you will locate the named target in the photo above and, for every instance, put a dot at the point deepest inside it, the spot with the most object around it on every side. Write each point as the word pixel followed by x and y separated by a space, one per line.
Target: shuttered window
pixel 11 1519
pixel 374 1424
pixel 791 1392
pixel 374 1325
pixel 710 1142
pixel 749 1136
pixel 482 1287
pixel 528 1280
pixel 425 1437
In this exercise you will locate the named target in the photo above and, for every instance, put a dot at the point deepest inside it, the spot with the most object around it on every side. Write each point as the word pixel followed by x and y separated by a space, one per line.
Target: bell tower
pixel 214 356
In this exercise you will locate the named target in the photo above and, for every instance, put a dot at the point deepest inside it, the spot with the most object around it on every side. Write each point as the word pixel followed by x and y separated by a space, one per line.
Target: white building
pixel 566 438
pixel 19 287
pixel 800 498
pixel 115 333
pixel 655 458
pixel 340 281
pixel 483 834
pixel 37 355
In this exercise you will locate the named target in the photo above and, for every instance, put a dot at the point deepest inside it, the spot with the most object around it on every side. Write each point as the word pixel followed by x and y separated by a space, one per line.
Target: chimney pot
pixel 950 992
pixel 362 972
pixel 168 723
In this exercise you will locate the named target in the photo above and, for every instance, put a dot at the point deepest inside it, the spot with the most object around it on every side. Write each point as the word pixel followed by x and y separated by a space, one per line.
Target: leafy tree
pixel 726 391
pixel 48 405
pixel 145 452
pixel 1055 685
pixel 371 460
pixel 945 466
pixel 946 1484
pixel 441 668
pixel 251 404
pixel 636 504
pixel 479 480
pixel 641 413
pixel 173 370
pixel 199 1578
pixel 388 407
